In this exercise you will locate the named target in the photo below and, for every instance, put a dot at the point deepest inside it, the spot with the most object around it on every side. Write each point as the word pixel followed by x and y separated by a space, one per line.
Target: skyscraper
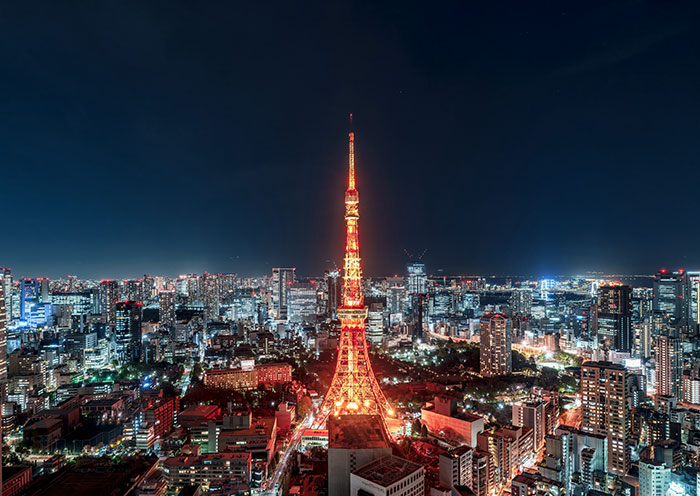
pixel 109 295
pixel 127 331
pixel 3 367
pixel 417 278
pixel 212 296
pixel 132 290
pixel 282 278
pixel 521 302
pixel 166 312
pixel 6 283
pixel 672 296
pixel 605 410
pixel 354 388
pixel 3 346
pixel 302 302
pixel 669 366
pixel 495 353
pixel 334 287
pixel 375 324
pixel 615 316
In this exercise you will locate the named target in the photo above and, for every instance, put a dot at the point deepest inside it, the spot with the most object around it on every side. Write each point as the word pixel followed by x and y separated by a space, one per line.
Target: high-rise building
pixel 615 316
pixel 149 290
pixel 669 366
pixel 6 283
pixel 417 278
pixel 642 303
pixel 3 346
pixel 127 331
pixel 166 309
pixel 606 410
pixel 109 295
pixel 396 299
pixel 521 302
pixel 672 296
pixel 282 278
pixel 532 415
pixel 495 353
pixel 334 295
pixel 302 302
pixel 132 290
pixel 3 367
pixel 375 323
pixel 212 297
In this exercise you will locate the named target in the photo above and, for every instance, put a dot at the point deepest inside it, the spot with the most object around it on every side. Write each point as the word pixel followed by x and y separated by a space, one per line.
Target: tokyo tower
pixel 354 389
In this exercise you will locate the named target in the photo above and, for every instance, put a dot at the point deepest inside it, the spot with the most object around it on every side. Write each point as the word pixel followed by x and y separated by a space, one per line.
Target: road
pixel 270 487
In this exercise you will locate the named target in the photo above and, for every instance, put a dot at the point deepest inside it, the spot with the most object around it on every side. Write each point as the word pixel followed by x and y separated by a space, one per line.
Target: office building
pixel 521 302
pixel 396 300
pixel 302 302
pixel 614 317
pixel 282 278
pixel 606 410
pixel 417 278
pixel 375 324
pixel 495 353
pixel 669 366
pixel 672 297
pixel 334 293
pixel 127 331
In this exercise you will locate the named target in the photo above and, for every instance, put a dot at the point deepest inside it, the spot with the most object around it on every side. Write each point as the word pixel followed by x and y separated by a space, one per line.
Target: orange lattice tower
pixel 354 389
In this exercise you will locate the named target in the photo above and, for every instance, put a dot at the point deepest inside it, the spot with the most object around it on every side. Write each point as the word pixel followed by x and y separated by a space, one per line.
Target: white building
pixel 654 478
pixel 389 475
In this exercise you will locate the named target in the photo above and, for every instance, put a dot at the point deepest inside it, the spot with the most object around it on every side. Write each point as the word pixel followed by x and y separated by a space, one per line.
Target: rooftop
pixel 205 411
pixel 387 470
pixel 188 461
pixel 356 431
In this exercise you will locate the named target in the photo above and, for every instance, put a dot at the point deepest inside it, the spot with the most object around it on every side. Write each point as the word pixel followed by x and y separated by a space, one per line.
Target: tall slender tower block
pixel 354 389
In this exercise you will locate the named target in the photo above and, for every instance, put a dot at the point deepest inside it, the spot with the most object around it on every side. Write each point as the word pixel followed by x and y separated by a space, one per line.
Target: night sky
pixel 527 138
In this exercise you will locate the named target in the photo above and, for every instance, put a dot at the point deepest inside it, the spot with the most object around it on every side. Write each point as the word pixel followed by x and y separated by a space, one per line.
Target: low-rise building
pixel 389 475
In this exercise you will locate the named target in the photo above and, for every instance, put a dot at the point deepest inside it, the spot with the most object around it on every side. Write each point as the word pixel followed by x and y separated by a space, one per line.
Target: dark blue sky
pixel 512 137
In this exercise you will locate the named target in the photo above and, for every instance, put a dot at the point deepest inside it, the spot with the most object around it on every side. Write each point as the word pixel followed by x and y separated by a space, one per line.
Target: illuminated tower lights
pixel 354 388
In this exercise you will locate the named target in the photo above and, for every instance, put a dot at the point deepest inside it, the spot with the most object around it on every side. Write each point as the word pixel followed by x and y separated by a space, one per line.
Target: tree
pixel 304 406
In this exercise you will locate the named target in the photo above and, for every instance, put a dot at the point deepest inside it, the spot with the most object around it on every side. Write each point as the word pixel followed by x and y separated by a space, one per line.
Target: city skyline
pixel 190 145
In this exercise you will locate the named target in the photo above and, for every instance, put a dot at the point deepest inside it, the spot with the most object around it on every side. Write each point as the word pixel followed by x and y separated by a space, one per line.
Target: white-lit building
pixel 389 475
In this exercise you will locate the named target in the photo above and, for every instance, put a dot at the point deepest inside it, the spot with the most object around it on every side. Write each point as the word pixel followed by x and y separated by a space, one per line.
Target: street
pixel 270 487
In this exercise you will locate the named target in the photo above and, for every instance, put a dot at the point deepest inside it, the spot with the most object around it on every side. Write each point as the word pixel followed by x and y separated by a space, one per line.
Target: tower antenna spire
pixel 351 159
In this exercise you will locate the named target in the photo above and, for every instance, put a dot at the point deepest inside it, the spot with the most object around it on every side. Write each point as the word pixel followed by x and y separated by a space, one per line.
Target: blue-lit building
pixel 127 331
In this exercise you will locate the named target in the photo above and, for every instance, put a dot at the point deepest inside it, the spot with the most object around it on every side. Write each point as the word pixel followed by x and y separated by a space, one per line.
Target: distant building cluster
pixel 102 367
